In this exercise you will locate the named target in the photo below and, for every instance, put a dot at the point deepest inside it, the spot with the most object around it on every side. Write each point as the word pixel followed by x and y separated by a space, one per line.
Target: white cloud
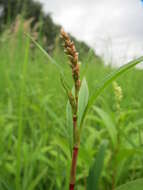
pixel 113 27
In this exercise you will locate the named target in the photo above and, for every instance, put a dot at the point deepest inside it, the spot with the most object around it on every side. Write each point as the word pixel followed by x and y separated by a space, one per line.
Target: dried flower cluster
pixel 26 26
pixel 70 50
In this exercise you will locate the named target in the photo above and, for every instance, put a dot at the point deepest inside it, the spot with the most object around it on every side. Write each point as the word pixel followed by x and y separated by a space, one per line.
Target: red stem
pixel 73 168
pixel 71 186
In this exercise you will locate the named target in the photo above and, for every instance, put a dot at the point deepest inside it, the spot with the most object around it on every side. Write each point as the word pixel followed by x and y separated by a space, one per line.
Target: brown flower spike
pixel 70 50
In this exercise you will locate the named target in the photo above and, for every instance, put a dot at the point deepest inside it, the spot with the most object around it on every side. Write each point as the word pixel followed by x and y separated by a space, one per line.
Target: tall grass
pixel 34 136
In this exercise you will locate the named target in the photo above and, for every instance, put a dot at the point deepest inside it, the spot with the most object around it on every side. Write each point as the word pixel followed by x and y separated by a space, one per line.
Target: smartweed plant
pixel 79 101
pixel 70 50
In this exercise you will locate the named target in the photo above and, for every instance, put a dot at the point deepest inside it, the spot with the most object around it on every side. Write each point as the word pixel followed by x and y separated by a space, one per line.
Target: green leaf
pixel 45 53
pixel 69 123
pixel 108 123
pixel 83 100
pixel 133 185
pixel 4 184
pixel 108 80
pixel 37 180
pixel 62 145
pixel 96 170
pixel 111 77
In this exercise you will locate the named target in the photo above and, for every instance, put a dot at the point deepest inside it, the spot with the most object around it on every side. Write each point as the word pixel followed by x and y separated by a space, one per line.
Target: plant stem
pixel 75 148
pixel 73 168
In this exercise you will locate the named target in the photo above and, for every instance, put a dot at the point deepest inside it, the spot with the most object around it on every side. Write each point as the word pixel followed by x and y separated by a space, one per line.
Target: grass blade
pixel 37 179
pixel 111 77
pixel 108 80
pixel 44 52
pixel 95 171
pixel 133 185
pixel 20 122
pixel 108 123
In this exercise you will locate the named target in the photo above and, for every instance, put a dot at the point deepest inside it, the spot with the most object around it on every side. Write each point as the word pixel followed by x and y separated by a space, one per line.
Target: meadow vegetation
pixel 35 137
pixel 36 134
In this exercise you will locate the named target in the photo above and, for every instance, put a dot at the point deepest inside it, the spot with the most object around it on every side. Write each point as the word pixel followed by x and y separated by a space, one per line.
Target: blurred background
pixel 112 28
pixel 35 132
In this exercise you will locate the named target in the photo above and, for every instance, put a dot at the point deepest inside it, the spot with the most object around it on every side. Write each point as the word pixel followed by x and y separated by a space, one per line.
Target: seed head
pixel 118 94
pixel 70 50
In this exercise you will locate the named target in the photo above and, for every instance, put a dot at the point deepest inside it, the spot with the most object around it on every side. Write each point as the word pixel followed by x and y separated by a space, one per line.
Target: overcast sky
pixel 114 28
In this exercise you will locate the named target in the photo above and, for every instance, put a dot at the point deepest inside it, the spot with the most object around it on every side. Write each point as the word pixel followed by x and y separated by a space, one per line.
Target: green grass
pixel 35 153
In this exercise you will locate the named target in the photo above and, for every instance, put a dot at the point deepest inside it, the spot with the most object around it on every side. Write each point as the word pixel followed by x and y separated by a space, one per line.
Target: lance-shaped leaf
pixel 96 169
pixel 108 80
pixel 111 77
pixel 69 124
pixel 83 100
pixel 133 185
pixel 108 123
